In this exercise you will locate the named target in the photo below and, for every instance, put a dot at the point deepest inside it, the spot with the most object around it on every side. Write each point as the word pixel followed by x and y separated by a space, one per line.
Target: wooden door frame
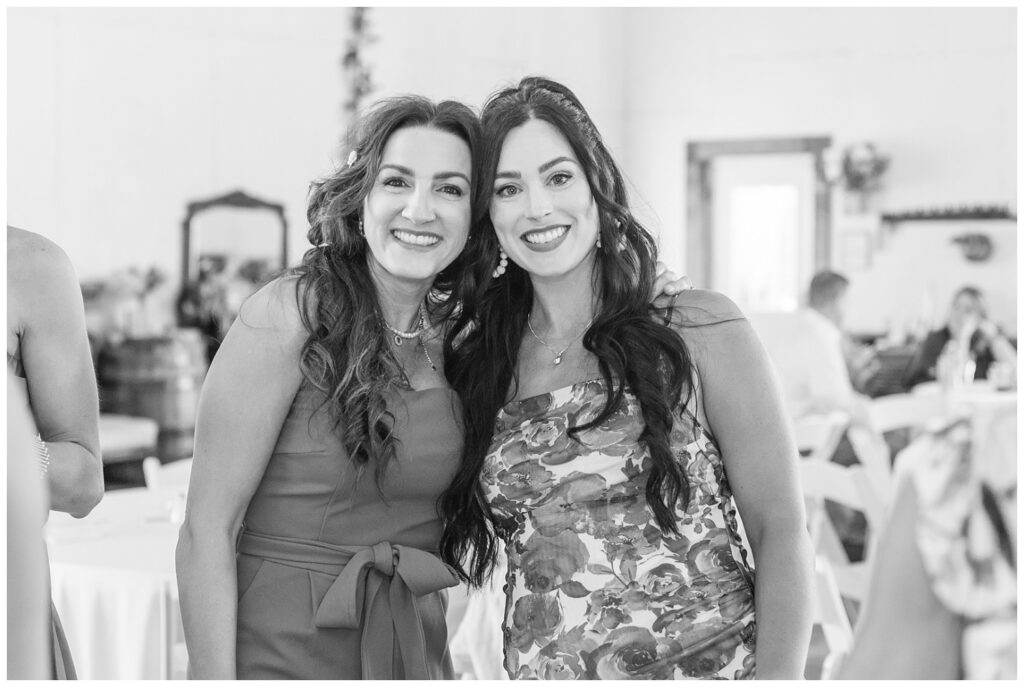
pixel 700 197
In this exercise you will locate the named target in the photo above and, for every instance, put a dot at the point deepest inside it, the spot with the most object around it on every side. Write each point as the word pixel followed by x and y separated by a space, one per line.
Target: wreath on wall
pixel 863 167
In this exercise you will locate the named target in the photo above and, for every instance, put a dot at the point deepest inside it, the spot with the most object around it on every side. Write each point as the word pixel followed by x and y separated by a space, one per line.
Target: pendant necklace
pixel 416 333
pixel 401 336
pixel 545 344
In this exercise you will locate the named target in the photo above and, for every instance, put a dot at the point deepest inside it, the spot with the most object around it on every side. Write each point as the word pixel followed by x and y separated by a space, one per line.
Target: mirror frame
pixel 237 199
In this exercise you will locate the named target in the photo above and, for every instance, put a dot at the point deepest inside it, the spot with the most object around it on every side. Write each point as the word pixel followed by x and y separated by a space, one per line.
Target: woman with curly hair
pixel 327 431
pixel 610 443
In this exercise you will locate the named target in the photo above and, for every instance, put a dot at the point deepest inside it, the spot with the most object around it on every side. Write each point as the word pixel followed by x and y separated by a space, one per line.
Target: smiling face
pixel 543 211
pixel 416 217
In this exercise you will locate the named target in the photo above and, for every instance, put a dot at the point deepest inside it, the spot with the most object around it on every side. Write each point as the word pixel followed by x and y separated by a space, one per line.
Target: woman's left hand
pixel 667 286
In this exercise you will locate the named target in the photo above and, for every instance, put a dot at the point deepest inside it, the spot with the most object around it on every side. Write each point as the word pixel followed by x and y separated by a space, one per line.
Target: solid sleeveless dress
pixel 594 590
pixel 337 578
pixel 62 665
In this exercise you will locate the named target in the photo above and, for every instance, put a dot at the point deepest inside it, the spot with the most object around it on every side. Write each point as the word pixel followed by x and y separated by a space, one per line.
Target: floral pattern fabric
pixel 970 570
pixel 594 589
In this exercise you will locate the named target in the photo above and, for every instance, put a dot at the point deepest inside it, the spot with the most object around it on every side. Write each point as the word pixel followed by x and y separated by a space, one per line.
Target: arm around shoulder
pixel 701 307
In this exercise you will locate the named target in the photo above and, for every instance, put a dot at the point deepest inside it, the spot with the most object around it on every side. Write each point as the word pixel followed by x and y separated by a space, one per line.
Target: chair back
pixel 874 455
pixel 830 615
pixel 174 475
pixel 905 411
pixel 817 436
pixel 848 486
pixel 851 487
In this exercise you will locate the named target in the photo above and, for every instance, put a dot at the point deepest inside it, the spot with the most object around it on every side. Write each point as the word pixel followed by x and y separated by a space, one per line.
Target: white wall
pixel 119 117
pixel 468 53
pixel 934 88
pixel 918 268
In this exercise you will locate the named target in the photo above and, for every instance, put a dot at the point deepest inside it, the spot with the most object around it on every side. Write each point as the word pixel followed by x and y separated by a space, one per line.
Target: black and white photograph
pixel 512 343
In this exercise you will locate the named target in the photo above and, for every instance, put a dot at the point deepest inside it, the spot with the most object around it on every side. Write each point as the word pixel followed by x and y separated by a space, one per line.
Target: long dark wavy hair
pixel 635 346
pixel 346 355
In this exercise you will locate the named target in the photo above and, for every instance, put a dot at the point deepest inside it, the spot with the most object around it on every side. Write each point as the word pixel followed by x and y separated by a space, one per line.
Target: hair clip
pixel 352 158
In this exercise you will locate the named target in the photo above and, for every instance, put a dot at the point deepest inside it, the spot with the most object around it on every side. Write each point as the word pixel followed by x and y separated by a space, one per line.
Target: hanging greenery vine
pixel 357 71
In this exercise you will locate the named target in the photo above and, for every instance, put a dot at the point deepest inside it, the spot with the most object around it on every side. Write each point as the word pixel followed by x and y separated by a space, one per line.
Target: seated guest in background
pixel 942 601
pixel 969 327
pixel 48 352
pixel 808 350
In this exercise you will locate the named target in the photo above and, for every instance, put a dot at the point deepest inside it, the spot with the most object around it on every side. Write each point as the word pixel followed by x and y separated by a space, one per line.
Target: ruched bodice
pixel 595 589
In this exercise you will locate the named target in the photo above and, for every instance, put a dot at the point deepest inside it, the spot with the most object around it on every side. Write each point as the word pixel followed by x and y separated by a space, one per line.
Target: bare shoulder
pixel 711 324
pixel 35 259
pixel 275 305
pixel 42 285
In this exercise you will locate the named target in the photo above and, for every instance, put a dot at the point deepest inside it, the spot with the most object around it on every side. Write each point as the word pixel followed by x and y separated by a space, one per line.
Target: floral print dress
pixel 594 589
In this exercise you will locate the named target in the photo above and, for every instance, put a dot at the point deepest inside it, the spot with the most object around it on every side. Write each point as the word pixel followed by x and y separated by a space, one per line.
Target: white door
pixel 762 249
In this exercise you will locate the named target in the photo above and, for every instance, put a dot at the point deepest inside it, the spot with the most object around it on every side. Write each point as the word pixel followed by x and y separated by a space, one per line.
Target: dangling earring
pixel 361 231
pixel 598 239
pixel 502 264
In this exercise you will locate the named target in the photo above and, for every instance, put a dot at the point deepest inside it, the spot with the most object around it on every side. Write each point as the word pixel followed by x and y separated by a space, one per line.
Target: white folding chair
pixel 905 411
pixel 830 615
pixel 817 436
pixel 174 475
pixel 873 453
pixel 851 487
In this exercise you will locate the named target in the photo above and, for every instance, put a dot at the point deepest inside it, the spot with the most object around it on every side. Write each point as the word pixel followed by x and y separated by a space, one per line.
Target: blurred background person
pixel 48 352
pixel 970 344
pixel 817 361
pixel 942 601
pixel 28 593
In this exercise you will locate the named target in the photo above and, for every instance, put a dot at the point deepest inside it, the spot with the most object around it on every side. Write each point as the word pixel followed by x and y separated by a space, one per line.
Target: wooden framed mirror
pixel 241 242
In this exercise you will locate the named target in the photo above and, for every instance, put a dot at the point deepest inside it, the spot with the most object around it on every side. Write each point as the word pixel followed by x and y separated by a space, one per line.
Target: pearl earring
pixel 362 232
pixel 502 264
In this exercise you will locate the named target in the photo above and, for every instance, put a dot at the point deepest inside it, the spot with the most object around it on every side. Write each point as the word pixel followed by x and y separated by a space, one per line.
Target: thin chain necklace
pixel 416 333
pixel 545 344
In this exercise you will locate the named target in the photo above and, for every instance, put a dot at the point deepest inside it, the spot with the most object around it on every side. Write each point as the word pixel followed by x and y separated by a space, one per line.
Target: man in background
pixel 820 366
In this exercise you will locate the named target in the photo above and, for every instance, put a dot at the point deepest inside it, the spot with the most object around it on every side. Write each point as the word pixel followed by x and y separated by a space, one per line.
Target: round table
pixel 113 583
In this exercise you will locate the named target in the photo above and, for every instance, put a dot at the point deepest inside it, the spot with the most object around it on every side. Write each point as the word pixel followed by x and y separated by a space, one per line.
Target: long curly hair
pixel 346 355
pixel 634 345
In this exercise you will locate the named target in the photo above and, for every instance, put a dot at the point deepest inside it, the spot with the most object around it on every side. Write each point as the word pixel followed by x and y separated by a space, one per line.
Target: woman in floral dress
pixel 609 443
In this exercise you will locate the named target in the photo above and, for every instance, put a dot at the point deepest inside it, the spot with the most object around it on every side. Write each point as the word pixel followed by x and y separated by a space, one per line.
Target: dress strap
pixel 373 592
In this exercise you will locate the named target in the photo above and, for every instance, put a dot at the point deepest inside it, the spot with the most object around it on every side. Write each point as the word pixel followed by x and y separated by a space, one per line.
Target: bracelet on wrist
pixel 43 452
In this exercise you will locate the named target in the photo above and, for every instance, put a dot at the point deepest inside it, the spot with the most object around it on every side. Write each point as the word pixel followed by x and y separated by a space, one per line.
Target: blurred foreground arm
pixel 46 310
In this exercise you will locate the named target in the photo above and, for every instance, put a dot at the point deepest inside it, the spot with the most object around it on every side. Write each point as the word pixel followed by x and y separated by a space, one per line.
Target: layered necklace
pixel 416 332
pixel 558 353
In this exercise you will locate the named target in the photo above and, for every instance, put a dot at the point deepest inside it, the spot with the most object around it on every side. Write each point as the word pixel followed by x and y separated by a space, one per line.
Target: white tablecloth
pixel 114 586
pixel 978 396
pixel 113 583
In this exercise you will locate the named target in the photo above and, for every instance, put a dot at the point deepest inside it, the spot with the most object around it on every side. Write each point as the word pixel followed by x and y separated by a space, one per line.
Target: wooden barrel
pixel 157 377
